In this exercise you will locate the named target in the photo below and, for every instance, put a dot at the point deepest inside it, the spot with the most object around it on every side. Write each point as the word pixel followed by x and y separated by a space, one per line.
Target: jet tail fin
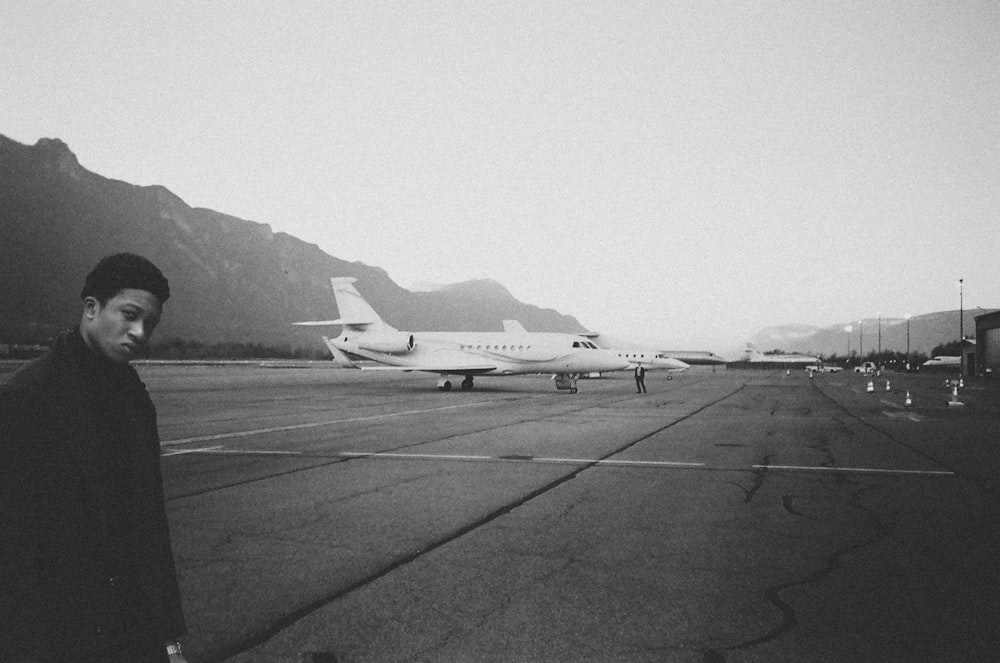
pixel 514 327
pixel 353 308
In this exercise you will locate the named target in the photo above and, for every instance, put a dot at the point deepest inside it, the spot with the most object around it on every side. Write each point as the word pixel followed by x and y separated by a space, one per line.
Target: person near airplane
pixel 86 568
pixel 640 379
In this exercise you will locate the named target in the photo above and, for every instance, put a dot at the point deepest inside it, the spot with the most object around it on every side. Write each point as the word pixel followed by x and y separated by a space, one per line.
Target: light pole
pixel 878 360
pixel 961 331
pixel 848 329
pixel 907 342
pixel 861 340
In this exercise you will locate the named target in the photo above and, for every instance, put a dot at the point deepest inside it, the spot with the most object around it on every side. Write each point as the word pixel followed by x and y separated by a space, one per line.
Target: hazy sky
pixel 681 171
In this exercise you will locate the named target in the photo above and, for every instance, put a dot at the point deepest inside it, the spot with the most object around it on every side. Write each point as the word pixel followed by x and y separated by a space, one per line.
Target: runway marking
pixel 232 452
pixel 368 454
pixel 519 459
pixel 219 450
pixel 636 463
pixel 903 415
pixel 314 424
pixel 856 470
pixel 191 451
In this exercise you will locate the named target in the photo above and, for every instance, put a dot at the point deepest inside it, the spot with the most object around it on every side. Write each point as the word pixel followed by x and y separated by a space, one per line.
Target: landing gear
pixel 445 384
pixel 566 382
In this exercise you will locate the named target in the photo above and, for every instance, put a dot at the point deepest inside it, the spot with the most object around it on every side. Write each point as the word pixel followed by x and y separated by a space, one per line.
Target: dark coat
pixel 55 594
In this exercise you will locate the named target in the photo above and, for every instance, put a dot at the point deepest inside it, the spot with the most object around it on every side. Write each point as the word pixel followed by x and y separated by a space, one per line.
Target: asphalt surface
pixel 328 515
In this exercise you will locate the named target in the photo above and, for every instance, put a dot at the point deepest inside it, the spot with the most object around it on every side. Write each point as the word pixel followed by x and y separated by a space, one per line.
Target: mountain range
pixel 925 332
pixel 231 280
pixel 237 281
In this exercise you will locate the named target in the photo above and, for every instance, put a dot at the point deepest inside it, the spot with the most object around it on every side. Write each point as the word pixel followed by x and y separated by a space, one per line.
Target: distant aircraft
pixel 514 351
pixel 942 362
pixel 695 357
pixel 649 359
pixel 754 356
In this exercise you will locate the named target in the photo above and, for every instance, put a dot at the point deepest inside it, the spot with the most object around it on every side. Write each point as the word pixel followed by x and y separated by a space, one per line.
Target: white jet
pixel 514 351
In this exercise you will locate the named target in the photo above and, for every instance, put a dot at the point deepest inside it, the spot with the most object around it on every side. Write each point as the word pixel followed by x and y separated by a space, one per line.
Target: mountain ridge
pixel 232 280
pixel 236 280
pixel 925 332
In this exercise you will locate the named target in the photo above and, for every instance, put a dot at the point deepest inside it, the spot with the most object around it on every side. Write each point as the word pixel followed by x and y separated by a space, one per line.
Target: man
pixel 86 570
pixel 640 379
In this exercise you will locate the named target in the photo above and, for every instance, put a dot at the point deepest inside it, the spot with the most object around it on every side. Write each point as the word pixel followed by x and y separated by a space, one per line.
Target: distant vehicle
pixel 866 368
pixel 513 351
pixel 822 368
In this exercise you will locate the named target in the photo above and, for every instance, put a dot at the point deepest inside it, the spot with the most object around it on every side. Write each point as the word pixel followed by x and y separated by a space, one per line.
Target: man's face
pixel 120 329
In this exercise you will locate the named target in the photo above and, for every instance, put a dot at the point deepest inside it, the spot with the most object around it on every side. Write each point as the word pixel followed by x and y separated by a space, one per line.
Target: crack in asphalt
pixel 832 562
pixel 758 481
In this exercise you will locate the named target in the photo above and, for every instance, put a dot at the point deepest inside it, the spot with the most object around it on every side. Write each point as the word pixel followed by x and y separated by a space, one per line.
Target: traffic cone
pixel 887 387
pixel 909 401
pixel 954 398
pixel 871 387
pixel 788 372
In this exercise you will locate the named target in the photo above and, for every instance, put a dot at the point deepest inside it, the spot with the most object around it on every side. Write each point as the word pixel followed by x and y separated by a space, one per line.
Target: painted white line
pixel 363 454
pixel 855 470
pixel 903 415
pixel 315 424
pixel 565 461
pixel 219 450
pixel 525 459
pixel 191 451
pixel 632 463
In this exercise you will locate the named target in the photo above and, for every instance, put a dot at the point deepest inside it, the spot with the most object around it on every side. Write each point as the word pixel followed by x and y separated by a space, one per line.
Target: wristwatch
pixel 173 648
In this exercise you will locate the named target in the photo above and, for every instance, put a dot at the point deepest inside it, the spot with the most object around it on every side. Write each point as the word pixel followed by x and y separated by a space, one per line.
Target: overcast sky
pixel 685 172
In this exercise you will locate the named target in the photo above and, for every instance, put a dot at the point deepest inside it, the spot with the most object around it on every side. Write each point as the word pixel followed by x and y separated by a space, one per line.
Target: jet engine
pixel 392 343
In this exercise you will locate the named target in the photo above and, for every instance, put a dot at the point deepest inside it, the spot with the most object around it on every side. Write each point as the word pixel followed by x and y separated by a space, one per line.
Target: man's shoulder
pixel 37 374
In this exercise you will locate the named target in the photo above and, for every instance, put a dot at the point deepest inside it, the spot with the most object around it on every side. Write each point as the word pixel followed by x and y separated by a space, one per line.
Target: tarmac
pixel 322 515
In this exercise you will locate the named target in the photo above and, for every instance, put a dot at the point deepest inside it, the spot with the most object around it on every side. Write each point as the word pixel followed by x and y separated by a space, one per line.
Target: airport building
pixel 986 356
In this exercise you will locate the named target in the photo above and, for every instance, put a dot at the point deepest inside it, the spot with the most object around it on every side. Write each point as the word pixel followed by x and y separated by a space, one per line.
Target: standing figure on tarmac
pixel 86 570
pixel 640 379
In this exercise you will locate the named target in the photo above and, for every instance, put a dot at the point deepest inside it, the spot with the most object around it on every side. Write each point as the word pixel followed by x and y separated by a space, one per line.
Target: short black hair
pixel 117 272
